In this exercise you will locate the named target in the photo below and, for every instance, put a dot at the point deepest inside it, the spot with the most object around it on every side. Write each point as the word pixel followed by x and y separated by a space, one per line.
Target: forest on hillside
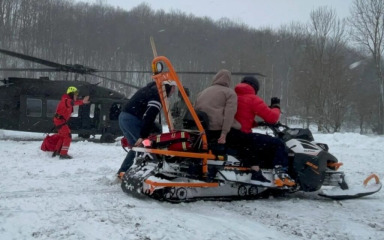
pixel 321 72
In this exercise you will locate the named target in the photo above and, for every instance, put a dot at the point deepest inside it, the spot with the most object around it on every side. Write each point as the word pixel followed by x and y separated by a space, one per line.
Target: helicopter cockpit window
pixel 51 107
pixel 75 112
pixel 34 107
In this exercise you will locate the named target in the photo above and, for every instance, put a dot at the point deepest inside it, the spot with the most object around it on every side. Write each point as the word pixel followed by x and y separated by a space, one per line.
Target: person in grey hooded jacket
pixel 219 102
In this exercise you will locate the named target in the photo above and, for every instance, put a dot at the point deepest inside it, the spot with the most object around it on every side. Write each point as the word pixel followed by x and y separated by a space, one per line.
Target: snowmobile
pixel 181 166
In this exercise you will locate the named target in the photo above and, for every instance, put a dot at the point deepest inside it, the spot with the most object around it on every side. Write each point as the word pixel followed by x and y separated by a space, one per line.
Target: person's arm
pixel 86 100
pixel 229 115
pixel 269 115
pixel 153 108
pixel 72 102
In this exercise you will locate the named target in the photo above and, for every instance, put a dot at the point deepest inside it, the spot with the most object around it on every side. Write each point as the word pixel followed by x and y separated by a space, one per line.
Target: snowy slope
pixel 47 198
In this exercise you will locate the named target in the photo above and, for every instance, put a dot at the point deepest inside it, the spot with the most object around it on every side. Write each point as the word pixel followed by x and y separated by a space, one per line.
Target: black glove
pixel 275 102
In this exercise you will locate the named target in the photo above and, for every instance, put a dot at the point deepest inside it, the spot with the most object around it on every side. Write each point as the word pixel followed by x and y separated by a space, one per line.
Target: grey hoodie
pixel 219 101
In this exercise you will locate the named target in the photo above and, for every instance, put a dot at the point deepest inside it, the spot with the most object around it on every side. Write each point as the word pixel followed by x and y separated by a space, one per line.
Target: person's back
pixel 219 102
pixel 137 105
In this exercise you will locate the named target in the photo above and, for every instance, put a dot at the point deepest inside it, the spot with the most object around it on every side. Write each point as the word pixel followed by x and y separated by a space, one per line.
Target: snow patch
pixel 46 198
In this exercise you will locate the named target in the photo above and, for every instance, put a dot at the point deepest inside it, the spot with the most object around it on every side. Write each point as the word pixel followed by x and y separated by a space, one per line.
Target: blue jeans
pixel 131 126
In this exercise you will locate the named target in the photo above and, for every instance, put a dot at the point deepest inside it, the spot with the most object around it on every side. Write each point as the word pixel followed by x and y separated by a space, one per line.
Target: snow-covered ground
pixel 46 198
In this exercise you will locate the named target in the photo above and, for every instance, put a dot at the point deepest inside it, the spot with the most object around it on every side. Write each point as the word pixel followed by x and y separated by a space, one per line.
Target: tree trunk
pixel 381 108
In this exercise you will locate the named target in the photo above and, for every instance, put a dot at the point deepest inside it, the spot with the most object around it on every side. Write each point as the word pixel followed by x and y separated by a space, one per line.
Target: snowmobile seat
pixel 222 150
pixel 189 123
pixel 217 149
pixel 245 162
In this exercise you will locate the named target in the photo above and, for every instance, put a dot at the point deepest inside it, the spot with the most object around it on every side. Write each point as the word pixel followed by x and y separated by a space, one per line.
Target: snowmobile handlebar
pixel 270 125
pixel 274 127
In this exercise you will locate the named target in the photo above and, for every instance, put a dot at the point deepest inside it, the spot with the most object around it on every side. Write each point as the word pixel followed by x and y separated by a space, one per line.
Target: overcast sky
pixel 255 13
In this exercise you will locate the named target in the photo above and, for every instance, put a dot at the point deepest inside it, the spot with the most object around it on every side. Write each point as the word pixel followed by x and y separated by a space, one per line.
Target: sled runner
pixel 181 166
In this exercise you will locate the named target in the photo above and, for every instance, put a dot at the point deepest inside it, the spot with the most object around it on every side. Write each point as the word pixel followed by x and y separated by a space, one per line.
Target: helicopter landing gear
pixel 85 136
pixel 107 138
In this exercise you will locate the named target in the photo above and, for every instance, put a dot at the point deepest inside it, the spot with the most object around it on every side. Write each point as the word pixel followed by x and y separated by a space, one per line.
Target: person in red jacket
pixel 63 113
pixel 250 106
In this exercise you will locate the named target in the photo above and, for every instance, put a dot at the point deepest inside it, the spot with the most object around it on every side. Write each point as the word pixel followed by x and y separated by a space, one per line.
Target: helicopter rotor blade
pixel 213 73
pixel 76 68
pixel 128 71
pixel 116 81
pixel 182 72
pixel 32 59
pixel 123 71
pixel 80 69
pixel 30 69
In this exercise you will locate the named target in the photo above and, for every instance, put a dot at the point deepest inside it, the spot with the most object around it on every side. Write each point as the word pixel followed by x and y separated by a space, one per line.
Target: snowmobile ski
pixel 338 193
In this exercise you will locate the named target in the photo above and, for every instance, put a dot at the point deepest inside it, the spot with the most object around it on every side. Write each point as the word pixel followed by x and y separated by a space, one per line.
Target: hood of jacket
pixel 244 89
pixel 223 78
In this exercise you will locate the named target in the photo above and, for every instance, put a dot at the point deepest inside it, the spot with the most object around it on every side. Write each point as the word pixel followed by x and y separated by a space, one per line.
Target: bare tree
pixel 306 69
pixel 324 69
pixel 287 57
pixel 367 22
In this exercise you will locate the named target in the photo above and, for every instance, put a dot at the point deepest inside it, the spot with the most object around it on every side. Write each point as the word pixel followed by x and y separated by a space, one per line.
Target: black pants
pixel 269 150
pixel 242 143
pixel 236 142
pixel 252 149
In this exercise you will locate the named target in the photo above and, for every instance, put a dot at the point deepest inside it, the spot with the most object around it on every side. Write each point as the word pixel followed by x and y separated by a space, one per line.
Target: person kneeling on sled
pixel 137 118
pixel 63 113
pixel 250 105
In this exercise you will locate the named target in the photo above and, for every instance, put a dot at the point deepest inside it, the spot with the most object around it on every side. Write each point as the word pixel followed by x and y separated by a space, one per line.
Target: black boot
pixel 54 154
pixel 258 176
pixel 65 156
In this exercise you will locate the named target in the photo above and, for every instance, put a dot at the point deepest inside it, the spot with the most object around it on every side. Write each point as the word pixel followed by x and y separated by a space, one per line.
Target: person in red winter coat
pixel 250 106
pixel 63 113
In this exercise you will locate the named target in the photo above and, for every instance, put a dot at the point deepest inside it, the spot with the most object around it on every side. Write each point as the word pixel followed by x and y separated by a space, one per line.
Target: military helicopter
pixel 29 104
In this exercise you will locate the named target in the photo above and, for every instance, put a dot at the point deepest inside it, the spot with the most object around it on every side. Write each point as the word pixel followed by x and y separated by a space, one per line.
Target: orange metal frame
pixel 171 75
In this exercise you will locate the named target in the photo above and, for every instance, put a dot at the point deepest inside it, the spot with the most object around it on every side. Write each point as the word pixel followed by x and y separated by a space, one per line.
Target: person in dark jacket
pixel 138 115
pixel 249 107
pixel 63 113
